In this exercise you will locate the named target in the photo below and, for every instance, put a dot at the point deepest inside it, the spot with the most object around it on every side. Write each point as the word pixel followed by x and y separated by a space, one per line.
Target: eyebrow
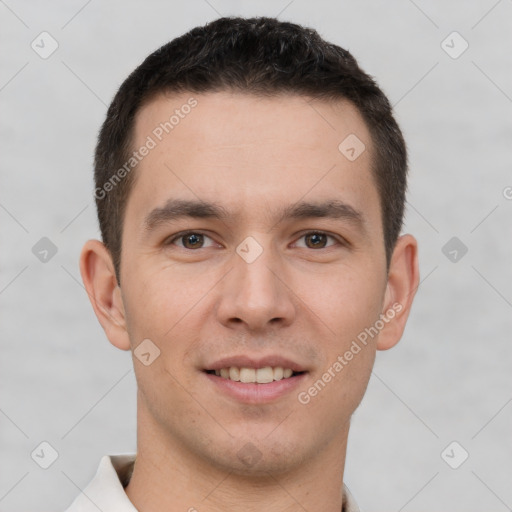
pixel 334 209
pixel 179 208
pixel 175 209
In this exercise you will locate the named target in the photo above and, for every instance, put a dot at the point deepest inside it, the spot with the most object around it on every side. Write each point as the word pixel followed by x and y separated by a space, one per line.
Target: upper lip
pixel 244 361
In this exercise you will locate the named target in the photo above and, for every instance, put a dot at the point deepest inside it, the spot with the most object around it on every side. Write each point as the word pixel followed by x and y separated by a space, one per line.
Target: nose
pixel 255 295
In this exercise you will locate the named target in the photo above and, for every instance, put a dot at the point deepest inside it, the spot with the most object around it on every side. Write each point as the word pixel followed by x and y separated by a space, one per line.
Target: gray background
pixel 448 380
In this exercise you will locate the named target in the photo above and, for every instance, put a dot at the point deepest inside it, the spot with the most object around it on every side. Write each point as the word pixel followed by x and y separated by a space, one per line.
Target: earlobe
pixel 403 280
pixel 98 275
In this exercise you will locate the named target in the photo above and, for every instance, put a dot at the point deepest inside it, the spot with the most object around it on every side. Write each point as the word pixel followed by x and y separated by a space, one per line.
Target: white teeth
pixel 247 375
pixel 264 375
pixel 234 373
pixel 278 373
pixel 261 375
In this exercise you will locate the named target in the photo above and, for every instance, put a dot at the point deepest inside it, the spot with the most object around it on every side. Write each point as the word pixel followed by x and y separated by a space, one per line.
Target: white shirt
pixel 105 492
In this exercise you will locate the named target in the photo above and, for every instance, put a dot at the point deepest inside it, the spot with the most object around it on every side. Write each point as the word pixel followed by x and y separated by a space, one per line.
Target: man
pixel 250 185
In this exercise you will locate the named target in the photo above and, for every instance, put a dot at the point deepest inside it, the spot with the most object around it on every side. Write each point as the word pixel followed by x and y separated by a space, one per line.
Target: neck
pixel 168 478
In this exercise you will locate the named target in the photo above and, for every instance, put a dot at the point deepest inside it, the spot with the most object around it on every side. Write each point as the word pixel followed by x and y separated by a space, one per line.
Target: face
pixel 252 249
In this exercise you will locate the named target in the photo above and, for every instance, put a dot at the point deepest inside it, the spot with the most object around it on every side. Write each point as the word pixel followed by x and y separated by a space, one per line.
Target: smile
pixel 254 375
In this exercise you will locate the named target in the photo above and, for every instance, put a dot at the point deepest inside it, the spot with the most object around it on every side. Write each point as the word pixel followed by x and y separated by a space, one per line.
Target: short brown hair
pixel 261 56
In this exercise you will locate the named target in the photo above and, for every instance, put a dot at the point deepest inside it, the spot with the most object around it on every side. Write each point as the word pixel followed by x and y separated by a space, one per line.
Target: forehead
pixel 226 119
pixel 249 152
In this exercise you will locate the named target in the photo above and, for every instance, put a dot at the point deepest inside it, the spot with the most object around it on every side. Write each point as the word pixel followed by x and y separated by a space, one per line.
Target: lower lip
pixel 253 393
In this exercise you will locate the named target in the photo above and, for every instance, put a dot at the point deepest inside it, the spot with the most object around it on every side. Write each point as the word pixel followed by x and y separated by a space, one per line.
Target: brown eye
pixel 316 240
pixel 192 241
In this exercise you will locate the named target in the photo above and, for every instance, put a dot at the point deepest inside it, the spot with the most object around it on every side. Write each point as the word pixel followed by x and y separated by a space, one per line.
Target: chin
pixel 246 457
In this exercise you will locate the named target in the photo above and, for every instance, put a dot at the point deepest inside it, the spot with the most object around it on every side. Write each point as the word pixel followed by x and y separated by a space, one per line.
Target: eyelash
pixel 183 234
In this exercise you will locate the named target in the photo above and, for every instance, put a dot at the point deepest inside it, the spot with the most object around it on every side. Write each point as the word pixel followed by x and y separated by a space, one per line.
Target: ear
pixel 403 281
pixel 100 282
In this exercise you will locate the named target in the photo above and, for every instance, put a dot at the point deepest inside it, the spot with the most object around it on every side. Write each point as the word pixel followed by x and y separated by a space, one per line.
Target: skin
pixel 252 156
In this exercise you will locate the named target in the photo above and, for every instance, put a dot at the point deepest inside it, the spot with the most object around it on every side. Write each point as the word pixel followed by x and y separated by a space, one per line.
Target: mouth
pixel 255 381
pixel 247 375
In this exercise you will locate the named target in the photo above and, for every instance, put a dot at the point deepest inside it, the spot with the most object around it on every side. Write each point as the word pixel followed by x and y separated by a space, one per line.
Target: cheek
pixel 346 300
pixel 346 306
pixel 160 295
pixel 350 304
